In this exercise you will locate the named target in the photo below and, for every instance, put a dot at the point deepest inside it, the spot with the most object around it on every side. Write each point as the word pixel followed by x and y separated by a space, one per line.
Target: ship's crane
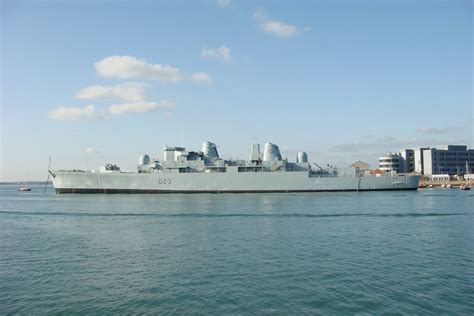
pixel 320 168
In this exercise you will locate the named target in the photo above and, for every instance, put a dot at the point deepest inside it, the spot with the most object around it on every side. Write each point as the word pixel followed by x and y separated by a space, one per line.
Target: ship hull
pixel 139 191
pixel 249 182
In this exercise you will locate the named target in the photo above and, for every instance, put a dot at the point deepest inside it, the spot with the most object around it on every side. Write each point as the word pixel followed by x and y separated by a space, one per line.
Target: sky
pixel 94 82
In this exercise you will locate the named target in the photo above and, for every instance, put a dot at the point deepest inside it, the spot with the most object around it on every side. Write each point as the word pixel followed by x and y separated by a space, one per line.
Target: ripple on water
pixel 368 253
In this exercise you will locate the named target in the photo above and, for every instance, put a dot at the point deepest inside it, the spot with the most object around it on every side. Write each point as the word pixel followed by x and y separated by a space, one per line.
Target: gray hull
pixel 123 182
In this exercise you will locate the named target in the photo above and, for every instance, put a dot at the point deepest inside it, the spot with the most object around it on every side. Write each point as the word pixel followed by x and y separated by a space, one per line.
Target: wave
pixel 275 215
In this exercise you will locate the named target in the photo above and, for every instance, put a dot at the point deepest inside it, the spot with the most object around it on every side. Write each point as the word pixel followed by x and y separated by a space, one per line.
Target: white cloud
pixel 135 95
pixel 126 91
pixel 90 151
pixel 221 53
pixel 200 77
pixel 139 107
pixel 380 144
pixel 391 144
pixel 89 112
pixel 279 28
pixel 72 113
pixel 436 130
pixel 223 3
pixel 275 27
pixel 128 67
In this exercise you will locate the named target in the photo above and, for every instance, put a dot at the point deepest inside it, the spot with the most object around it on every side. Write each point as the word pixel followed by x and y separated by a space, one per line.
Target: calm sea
pixel 310 253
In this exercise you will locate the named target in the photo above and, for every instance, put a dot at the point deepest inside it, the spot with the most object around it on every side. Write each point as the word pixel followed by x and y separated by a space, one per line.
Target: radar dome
pixel 255 154
pixel 301 157
pixel 271 152
pixel 210 151
pixel 144 160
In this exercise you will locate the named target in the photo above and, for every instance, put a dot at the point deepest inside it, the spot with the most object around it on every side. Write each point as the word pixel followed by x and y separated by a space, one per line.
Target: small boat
pixel 26 188
pixel 443 185
pixel 448 186
pixel 466 186
pixel 430 186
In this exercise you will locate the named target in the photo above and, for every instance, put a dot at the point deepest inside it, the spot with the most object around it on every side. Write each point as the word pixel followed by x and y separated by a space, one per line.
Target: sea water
pixel 306 253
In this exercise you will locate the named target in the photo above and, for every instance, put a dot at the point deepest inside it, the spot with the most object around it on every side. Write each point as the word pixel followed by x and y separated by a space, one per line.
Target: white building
pixel 448 160
pixel 391 162
pixel 408 160
pixel 418 160
pixel 438 177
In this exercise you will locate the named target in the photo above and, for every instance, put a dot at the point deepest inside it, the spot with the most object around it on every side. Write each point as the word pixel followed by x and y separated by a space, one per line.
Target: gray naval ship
pixel 183 171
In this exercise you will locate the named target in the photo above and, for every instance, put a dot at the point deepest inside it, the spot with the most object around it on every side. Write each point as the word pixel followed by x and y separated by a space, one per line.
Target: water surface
pixel 302 253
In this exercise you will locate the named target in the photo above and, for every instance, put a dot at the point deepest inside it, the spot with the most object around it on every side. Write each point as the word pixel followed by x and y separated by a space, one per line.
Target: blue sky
pixel 91 82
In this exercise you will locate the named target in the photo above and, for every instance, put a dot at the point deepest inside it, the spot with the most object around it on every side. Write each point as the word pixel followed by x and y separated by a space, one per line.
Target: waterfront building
pixel 450 159
pixel 418 160
pixel 438 177
pixel 361 168
pixel 391 162
pixel 444 160
pixel 408 160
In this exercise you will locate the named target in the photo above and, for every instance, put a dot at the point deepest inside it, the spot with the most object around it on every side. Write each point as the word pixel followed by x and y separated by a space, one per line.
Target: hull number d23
pixel 164 181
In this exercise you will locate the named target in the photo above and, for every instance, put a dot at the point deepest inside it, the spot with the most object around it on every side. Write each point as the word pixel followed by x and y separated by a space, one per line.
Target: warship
pixel 182 171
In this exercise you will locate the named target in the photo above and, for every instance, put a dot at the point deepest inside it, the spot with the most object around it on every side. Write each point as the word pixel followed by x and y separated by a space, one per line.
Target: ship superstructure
pixel 182 171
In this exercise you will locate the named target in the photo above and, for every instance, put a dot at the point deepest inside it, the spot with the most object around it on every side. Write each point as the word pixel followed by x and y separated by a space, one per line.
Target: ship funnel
pixel 271 152
pixel 301 157
pixel 209 150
